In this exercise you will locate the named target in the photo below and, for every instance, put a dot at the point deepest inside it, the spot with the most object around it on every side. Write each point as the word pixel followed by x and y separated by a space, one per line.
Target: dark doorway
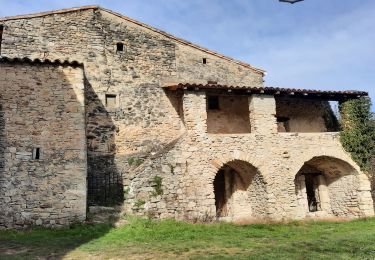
pixel 220 197
pixel 311 186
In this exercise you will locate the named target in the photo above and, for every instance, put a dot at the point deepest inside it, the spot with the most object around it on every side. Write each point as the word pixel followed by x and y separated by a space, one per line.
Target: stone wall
pixel 189 169
pixel 42 106
pixel 152 133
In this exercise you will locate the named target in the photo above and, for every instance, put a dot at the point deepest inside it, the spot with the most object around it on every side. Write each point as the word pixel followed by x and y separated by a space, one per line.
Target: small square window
pixel 110 101
pixel 120 47
pixel 37 153
pixel 213 103
pixel 204 60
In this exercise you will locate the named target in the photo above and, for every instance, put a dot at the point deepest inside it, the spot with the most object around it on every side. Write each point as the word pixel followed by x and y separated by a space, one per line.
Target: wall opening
pixel 111 101
pixel 204 60
pixel 228 114
pixel 213 103
pixel 1 35
pixel 119 47
pixel 327 186
pixel 305 115
pixel 239 191
pixel 37 153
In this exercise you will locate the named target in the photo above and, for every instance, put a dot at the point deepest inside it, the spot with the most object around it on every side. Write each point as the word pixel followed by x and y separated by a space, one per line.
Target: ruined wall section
pixel 42 107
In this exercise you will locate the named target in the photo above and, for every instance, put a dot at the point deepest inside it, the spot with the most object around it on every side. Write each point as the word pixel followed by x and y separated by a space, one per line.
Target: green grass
pixel 146 239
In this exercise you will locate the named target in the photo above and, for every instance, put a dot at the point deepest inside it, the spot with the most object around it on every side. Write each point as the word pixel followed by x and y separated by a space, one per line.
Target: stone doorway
pixel 239 192
pixel 311 186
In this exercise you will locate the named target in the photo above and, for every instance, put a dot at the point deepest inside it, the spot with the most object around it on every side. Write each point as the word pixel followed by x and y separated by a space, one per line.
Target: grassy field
pixel 146 239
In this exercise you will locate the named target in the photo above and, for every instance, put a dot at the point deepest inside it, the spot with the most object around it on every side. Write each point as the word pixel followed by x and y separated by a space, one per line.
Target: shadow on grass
pixel 41 243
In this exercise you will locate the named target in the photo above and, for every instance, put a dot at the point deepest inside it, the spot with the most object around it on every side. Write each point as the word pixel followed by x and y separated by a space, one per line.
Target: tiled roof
pixel 325 94
pixel 182 41
pixel 40 61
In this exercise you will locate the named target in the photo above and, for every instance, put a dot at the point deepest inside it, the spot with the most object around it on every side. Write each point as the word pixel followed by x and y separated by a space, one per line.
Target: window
pixel 120 47
pixel 283 124
pixel 37 153
pixel 1 35
pixel 204 60
pixel 213 103
pixel 110 101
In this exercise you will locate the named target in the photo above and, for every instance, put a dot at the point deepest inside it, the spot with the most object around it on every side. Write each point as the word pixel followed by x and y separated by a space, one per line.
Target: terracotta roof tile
pixel 40 61
pixel 326 94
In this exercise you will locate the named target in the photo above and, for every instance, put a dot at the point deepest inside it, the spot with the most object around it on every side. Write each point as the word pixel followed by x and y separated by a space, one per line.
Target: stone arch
pixel 239 191
pixel 328 187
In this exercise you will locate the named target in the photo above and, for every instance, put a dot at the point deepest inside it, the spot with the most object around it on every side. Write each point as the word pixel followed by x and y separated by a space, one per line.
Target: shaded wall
pixel 42 107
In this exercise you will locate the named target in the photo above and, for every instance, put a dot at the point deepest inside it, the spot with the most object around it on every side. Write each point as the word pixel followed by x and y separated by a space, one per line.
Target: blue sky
pixel 315 44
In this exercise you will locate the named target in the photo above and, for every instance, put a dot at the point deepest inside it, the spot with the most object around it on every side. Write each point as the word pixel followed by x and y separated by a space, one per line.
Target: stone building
pixel 100 109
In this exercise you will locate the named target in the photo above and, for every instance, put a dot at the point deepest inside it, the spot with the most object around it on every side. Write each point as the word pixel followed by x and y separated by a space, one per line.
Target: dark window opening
pixel 110 101
pixel 37 153
pixel 120 47
pixel 213 103
pixel 204 60
pixel 283 124
pixel 1 35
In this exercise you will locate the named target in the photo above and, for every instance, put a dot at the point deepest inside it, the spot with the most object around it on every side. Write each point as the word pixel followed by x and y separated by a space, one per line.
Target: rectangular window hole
pixel 119 46
pixel 204 60
pixel 110 101
pixel 37 153
pixel 213 103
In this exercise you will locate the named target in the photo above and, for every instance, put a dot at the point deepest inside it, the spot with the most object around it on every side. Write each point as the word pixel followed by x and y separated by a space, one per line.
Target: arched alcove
pixel 327 187
pixel 239 191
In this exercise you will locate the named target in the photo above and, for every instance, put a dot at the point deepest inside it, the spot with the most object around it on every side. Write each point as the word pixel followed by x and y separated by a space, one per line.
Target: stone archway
pixel 240 191
pixel 328 187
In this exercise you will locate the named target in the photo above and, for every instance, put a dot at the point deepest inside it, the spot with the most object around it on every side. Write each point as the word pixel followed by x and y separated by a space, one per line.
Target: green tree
pixel 358 132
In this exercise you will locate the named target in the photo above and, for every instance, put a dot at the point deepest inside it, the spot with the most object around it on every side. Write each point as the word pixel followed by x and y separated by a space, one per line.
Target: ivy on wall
pixel 358 132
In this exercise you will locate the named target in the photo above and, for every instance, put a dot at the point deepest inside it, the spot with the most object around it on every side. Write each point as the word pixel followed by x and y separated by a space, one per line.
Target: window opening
pixel 1 35
pixel 204 60
pixel 284 123
pixel 110 101
pixel 37 153
pixel 120 47
pixel 213 103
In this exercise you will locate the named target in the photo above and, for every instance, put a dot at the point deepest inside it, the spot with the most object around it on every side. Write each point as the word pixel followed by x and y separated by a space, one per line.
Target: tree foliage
pixel 358 132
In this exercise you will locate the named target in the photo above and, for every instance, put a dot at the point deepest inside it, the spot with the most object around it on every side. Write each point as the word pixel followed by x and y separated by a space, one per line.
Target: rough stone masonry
pixel 99 109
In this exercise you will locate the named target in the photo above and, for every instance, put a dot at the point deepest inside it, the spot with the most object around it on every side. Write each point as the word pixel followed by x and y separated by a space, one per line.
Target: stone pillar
pixel 302 196
pixel 195 114
pixel 365 202
pixel 263 114
pixel 325 204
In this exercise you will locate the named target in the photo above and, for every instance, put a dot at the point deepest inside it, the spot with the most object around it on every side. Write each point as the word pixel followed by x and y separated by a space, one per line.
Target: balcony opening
pixel 305 115
pixel 228 114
